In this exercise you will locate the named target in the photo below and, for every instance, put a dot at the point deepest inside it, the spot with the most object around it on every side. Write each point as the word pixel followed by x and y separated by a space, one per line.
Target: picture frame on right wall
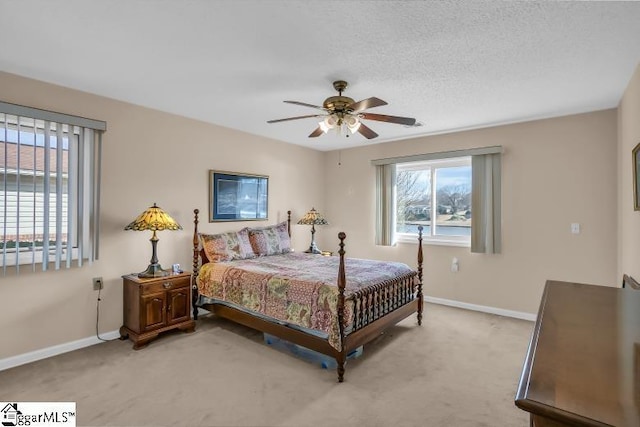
pixel 636 177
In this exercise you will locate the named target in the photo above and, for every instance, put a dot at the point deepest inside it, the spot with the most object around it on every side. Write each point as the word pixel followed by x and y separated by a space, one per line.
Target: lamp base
pixel 313 249
pixel 154 270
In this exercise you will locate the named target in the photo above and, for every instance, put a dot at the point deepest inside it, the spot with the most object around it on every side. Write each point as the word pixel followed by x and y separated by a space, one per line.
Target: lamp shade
pixel 313 217
pixel 154 219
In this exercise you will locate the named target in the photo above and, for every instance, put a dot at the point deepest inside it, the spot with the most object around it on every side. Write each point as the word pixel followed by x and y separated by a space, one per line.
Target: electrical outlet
pixel 97 283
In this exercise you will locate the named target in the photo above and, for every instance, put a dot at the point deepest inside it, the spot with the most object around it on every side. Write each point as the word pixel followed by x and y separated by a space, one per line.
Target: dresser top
pixel 583 363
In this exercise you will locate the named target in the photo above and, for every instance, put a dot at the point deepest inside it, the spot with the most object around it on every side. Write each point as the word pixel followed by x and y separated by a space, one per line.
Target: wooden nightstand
pixel 155 305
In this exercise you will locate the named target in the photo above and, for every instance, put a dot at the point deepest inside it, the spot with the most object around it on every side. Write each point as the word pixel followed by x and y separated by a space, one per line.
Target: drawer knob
pixel 167 285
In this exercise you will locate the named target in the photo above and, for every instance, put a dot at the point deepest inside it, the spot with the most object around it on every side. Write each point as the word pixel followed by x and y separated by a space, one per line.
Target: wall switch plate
pixel 575 228
pixel 97 283
pixel 455 266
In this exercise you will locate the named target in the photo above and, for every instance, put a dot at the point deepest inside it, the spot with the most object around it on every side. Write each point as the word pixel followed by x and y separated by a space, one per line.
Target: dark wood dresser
pixel 583 363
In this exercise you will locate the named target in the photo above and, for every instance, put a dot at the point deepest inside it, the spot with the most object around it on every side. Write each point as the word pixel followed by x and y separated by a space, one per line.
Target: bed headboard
pixel 199 256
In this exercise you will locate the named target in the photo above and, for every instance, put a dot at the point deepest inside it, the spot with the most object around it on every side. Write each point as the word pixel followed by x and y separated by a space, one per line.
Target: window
pixel 49 188
pixel 455 196
pixel 437 195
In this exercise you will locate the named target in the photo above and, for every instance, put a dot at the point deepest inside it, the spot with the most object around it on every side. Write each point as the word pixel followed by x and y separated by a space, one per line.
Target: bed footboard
pixel 378 307
pixel 373 303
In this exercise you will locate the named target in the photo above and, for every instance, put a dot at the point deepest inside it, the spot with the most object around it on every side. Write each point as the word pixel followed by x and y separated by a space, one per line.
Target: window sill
pixel 28 257
pixel 413 239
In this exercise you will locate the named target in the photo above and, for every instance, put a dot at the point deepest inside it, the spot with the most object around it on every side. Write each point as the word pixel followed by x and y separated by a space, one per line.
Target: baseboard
pixel 483 308
pixel 32 356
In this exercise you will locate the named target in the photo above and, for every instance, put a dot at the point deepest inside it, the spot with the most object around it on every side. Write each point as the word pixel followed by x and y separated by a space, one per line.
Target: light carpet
pixel 460 368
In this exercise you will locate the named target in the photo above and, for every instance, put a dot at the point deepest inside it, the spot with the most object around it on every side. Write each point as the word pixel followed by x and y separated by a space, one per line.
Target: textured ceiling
pixel 450 64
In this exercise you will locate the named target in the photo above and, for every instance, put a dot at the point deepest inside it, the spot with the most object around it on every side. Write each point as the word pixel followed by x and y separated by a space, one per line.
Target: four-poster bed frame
pixel 376 308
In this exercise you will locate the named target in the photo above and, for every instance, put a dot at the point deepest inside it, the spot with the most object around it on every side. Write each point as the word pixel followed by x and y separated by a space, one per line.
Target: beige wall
pixel 148 157
pixel 555 172
pixel 628 138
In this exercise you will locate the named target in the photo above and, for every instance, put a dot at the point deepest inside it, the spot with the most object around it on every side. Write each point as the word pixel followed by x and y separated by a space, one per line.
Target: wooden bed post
pixel 342 356
pixel 289 223
pixel 420 297
pixel 194 286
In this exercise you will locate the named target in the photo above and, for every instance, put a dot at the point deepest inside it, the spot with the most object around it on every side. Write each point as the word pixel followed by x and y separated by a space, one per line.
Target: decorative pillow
pixel 270 240
pixel 245 244
pixel 227 246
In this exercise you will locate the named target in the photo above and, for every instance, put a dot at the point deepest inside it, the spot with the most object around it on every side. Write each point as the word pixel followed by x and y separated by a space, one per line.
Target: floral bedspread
pixel 296 288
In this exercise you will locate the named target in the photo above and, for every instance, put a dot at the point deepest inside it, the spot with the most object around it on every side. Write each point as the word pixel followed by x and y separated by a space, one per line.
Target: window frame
pixel 433 165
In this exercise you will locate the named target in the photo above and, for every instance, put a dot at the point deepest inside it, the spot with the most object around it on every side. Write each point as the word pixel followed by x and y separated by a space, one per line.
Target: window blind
pixel 49 202
pixel 385 204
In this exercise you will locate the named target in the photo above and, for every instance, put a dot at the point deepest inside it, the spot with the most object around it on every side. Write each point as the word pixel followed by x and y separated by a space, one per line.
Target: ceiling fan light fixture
pixel 328 123
pixel 323 126
pixel 353 123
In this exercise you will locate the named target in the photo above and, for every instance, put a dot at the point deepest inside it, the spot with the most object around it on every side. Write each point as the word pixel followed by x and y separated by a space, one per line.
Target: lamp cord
pixel 98 319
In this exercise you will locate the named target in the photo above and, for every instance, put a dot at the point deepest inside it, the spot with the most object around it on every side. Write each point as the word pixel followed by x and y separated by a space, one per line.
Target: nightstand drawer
pixel 166 284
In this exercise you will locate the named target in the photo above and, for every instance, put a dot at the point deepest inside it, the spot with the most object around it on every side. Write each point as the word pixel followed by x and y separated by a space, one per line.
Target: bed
pixel 329 304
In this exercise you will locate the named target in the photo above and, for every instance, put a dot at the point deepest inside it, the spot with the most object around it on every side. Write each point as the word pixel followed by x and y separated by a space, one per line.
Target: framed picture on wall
pixel 237 197
pixel 636 177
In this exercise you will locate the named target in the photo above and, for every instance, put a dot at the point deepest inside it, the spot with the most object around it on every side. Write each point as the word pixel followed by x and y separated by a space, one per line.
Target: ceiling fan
pixel 344 114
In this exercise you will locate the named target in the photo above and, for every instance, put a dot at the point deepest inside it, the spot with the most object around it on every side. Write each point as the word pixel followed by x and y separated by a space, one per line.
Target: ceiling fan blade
pixel 408 121
pixel 366 131
pixel 367 103
pixel 304 104
pixel 316 132
pixel 294 118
